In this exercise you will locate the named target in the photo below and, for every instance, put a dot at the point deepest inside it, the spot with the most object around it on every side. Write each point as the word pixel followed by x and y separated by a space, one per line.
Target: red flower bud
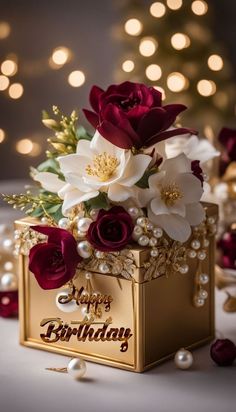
pixel 223 352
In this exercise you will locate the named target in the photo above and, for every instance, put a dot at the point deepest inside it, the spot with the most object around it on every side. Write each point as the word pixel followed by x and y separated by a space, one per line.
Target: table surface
pixel 26 386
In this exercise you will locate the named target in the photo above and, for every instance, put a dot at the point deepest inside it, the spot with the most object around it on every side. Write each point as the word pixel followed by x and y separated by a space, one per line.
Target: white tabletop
pixel 26 386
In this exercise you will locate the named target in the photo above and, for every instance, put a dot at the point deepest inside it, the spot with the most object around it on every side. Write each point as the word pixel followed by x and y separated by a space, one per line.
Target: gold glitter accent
pixel 170 194
pixel 104 165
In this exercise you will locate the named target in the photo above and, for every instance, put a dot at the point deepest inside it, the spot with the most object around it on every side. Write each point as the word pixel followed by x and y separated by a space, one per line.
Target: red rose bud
pixel 54 263
pixel 131 115
pixel 227 138
pixel 9 304
pixel 112 230
pixel 223 352
pixel 197 170
pixel 227 246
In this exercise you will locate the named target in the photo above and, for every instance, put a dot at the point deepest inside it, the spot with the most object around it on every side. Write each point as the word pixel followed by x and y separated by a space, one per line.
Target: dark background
pixel 87 28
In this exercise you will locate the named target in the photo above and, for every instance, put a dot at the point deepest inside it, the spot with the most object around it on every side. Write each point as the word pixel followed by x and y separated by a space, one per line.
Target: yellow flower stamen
pixel 103 167
pixel 170 194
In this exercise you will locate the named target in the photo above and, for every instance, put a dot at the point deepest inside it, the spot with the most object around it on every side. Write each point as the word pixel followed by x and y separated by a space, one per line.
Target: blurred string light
pixel 133 27
pixel 180 41
pixel 157 9
pixel 220 99
pixel 160 89
pixel 174 4
pixel 60 56
pixel 176 82
pixel 9 67
pixel 4 82
pixel 147 46
pixel 16 90
pixel 199 7
pixel 5 30
pixel 215 62
pixel 28 147
pixel 2 135
pixel 128 66
pixel 153 72
pixel 76 78
pixel 206 87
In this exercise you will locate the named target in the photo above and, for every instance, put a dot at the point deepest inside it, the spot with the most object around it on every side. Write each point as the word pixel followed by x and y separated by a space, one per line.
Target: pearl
pixel 17 234
pixel 195 244
pixel 83 224
pixel 88 275
pixel 157 232
pixel 206 242
pixel 154 252
pixel 142 221
pixel 153 241
pixel 143 240
pixel 192 254
pixel 63 223
pixel 199 302
pixel 201 255
pixel 184 269
pixel 203 278
pixel 7 243
pixel 8 282
pixel 203 294
pixel 211 220
pixel 149 226
pixel 84 249
pixel 66 307
pixel 44 220
pixel 213 229
pixel 134 212
pixel 8 266
pixel 183 359
pixel 76 368
pixel 94 213
pixel 99 254
pixel 137 232
pixel 104 267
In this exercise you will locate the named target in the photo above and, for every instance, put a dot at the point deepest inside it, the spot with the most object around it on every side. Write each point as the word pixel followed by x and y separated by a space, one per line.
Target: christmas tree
pixel 169 45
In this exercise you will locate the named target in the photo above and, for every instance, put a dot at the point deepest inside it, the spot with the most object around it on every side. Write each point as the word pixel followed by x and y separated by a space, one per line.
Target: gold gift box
pixel 159 313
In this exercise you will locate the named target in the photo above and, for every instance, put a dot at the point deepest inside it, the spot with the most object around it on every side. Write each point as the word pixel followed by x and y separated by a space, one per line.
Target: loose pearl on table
pixel 83 224
pixel 183 359
pixel 8 282
pixel 63 223
pixel 84 249
pixel 143 240
pixel 66 307
pixel 76 368
pixel 157 232
pixel 203 278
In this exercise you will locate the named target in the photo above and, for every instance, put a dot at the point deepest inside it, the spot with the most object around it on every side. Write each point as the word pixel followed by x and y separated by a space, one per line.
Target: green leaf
pixel 81 133
pixel 143 182
pixel 38 212
pixel 50 165
pixel 58 215
pixel 45 114
pixel 53 209
pixel 99 202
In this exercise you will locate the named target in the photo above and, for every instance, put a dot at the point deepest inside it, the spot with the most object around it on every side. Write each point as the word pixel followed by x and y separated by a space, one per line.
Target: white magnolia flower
pixel 174 197
pixel 97 166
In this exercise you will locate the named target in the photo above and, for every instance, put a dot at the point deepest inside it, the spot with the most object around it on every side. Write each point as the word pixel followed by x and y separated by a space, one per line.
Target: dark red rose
pixel 197 170
pixel 112 230
pixel 223 352
pixel 227 246
pixel 9 304
pixel 131 115
pixel 227 138
pixel 54 263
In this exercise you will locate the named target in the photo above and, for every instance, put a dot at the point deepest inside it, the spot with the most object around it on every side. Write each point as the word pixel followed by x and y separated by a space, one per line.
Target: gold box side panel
pixel 38 304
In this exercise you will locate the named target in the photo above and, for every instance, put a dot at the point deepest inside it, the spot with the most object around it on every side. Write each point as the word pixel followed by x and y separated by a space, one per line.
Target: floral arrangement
pixel 137 180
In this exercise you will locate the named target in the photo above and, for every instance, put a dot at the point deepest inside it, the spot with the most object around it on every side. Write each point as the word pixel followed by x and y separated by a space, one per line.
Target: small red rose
pixel 9 304
pixel 227 138
pixel 112 230
pixel 131 115
pixel 223 352
pixel 54 263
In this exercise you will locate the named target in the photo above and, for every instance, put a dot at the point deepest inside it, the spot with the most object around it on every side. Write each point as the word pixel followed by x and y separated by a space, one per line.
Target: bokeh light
pixel 16 90
pixel 215 62
pixel 128 66
pixel 24 146
pixel 60 55
pixel 153 72
pixel 147 46
pixel 199 7
pixel 180 41
pixel 157 9
pixel 2 135
pixel 133 27
pixel 9 67
pixel 177 82
pixel 206 87
pixel 174 4
pixel 5 30
pixel 160 89
pixel 4 82
pixel 76 78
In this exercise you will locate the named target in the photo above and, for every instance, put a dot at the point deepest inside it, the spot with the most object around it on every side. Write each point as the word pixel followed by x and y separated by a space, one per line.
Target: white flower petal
pixel 77 182
pixel 73 163
pixel 176 165
pixel 195 213
pixel 74 198
pixel 158 207
pixel 175 226
pixel 119 193
pixel 83 148
pixel 190 186
pixel 155 180
pixel 100 145
pixel 49 181
pixel 135 169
